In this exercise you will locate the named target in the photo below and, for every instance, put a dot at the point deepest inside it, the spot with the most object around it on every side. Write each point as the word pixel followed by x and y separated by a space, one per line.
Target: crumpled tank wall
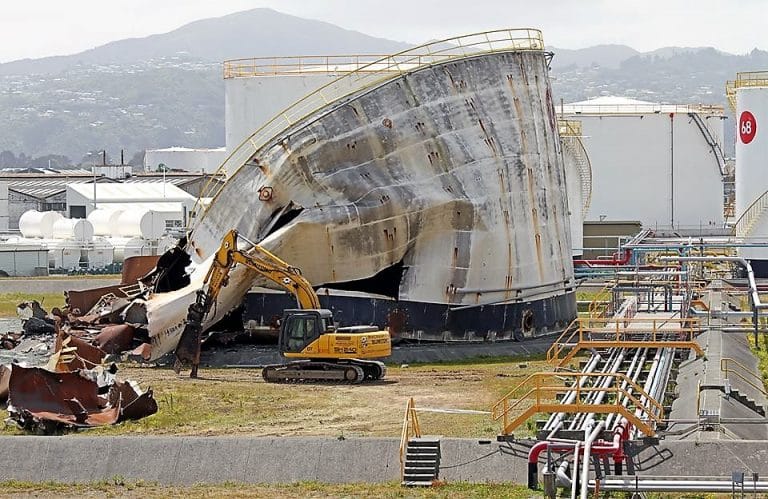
pixel 453 169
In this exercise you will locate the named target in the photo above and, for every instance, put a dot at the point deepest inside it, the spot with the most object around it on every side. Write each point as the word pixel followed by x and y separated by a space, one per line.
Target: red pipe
pixel 615 261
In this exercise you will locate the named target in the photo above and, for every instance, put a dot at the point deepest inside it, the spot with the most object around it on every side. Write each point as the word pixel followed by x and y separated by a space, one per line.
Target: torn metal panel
pixel 37 395
pixel 115 339
pixel 39 399
pixel 72 354
pixel 5 376
pixel 452 171
pixel 136 267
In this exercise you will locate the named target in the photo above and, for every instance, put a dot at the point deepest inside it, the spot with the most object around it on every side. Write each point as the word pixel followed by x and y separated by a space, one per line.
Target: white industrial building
pixel 657 163
pixel 4 207
pixel 23 259
pixel 183 158
pixel 82 199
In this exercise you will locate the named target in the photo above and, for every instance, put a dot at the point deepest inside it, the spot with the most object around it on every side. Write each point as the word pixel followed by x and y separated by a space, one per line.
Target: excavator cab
pixel 299 328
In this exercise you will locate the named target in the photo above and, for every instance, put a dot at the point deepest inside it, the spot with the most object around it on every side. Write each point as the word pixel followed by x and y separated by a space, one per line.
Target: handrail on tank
pixel 744 225
pixel 744 79
pixel 571 132
pixel 505 40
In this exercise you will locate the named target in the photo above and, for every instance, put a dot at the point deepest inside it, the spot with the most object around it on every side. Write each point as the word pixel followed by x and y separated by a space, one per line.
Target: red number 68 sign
pixel 747 127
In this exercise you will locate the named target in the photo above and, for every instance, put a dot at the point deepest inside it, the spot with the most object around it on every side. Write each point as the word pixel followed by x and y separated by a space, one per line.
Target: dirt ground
pixel 238 401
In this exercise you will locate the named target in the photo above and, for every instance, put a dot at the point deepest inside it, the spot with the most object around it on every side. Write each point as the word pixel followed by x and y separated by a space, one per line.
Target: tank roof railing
pixel 497 41
pixel 298 65
pixel 744 79
pixel 650 108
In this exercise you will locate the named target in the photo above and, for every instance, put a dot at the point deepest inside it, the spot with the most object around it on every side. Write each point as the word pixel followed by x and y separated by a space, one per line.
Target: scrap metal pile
pixel 76 385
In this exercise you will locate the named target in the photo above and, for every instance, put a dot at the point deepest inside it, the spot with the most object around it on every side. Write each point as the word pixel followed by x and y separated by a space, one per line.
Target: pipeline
pixel 614 261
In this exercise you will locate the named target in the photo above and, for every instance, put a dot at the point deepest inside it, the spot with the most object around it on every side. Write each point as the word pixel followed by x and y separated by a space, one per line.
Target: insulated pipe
pixel 633 373
pixel 606 368
pixel 555 419
pixel 604 382
pixel 539 447
pixel 677 485
pixel 562 477
pixel 585 465
pixel 613 262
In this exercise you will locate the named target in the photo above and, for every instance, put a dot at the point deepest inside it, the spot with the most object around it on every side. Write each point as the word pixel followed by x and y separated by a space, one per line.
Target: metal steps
pixel 422 462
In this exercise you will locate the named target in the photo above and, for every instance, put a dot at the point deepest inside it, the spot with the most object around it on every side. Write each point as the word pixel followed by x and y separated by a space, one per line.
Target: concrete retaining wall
pixel 190 460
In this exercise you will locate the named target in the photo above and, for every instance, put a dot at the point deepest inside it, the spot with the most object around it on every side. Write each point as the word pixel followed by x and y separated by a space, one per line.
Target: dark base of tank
pixel 426 322
pixel 760 268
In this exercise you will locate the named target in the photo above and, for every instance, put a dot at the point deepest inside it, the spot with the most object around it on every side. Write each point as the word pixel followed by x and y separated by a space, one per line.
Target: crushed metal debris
pixel 75 386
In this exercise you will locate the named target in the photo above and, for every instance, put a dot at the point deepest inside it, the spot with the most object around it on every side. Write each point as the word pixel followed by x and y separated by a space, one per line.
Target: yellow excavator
pixel 308 333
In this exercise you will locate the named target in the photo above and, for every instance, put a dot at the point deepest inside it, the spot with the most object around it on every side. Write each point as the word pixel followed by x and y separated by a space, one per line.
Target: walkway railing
pixel 636 332
pixel 747 221
pixel 744 79
pixel 508 40
pixel 538 394
pixel 730 366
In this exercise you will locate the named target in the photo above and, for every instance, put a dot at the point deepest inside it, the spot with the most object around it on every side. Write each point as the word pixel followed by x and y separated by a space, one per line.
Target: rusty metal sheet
pixel 85 300
pixel 5 375
pixel 136 267
pixel 115 339
pixel 134 403
pixel 72 353
pixel 37 396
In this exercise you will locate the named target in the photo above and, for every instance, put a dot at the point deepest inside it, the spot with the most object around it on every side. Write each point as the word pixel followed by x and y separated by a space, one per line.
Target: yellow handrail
pixel 744 79
pixel 649 408
pixel 507 40
pixel 410 428
pixel 724 368
pixel 598 301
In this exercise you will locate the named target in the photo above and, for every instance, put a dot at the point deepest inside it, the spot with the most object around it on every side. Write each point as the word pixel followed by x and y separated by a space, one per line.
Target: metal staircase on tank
pixel 570 135
pixel 713 144
pixel 751 216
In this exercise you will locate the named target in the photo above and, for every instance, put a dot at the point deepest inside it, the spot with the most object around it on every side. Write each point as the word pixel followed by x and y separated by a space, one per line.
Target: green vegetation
pixel 239 402
pixel 9 301
pixel 119 487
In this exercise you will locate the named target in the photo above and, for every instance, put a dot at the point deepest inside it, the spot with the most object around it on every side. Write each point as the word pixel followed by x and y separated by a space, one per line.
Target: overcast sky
pixel 39 28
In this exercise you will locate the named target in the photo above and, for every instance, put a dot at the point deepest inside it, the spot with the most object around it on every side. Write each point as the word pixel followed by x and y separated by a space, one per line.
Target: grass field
pixel 239 402
pixel 118 487
pixel 9 301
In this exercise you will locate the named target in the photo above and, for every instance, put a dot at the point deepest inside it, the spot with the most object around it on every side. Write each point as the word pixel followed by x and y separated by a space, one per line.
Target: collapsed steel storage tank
pixel 437 182
pixel 748 96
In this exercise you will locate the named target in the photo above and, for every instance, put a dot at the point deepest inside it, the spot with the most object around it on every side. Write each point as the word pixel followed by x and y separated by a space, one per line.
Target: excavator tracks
pixel 352 371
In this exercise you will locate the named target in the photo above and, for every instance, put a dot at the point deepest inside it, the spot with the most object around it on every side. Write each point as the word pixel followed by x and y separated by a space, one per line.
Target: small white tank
pixel 100 253
pixel 64 254
pixel 105 221
pixel 35 223
pixel 126 247
pixel 147 224
pixel 78 229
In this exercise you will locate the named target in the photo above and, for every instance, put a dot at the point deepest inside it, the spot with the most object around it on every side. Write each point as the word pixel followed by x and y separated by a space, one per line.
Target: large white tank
pixel 147 224
pixel 77 229
pixel 751 174
pixel 99 253
pixel 64 254
pixel 35 223
pixel 105 221
pixel 751 145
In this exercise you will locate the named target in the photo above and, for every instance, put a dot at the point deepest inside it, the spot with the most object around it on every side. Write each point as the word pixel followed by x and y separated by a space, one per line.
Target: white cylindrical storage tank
pixel 77 229
pixel 575 202
pixel 751 177
pixel 35 223
pixel 126 247
pixel 64 254
pixel 100 253
pixel 751 145
pixel 104 221
pixel 146 224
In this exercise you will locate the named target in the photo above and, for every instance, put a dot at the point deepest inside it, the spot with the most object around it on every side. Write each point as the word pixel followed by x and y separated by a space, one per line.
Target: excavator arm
pixel 226 257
